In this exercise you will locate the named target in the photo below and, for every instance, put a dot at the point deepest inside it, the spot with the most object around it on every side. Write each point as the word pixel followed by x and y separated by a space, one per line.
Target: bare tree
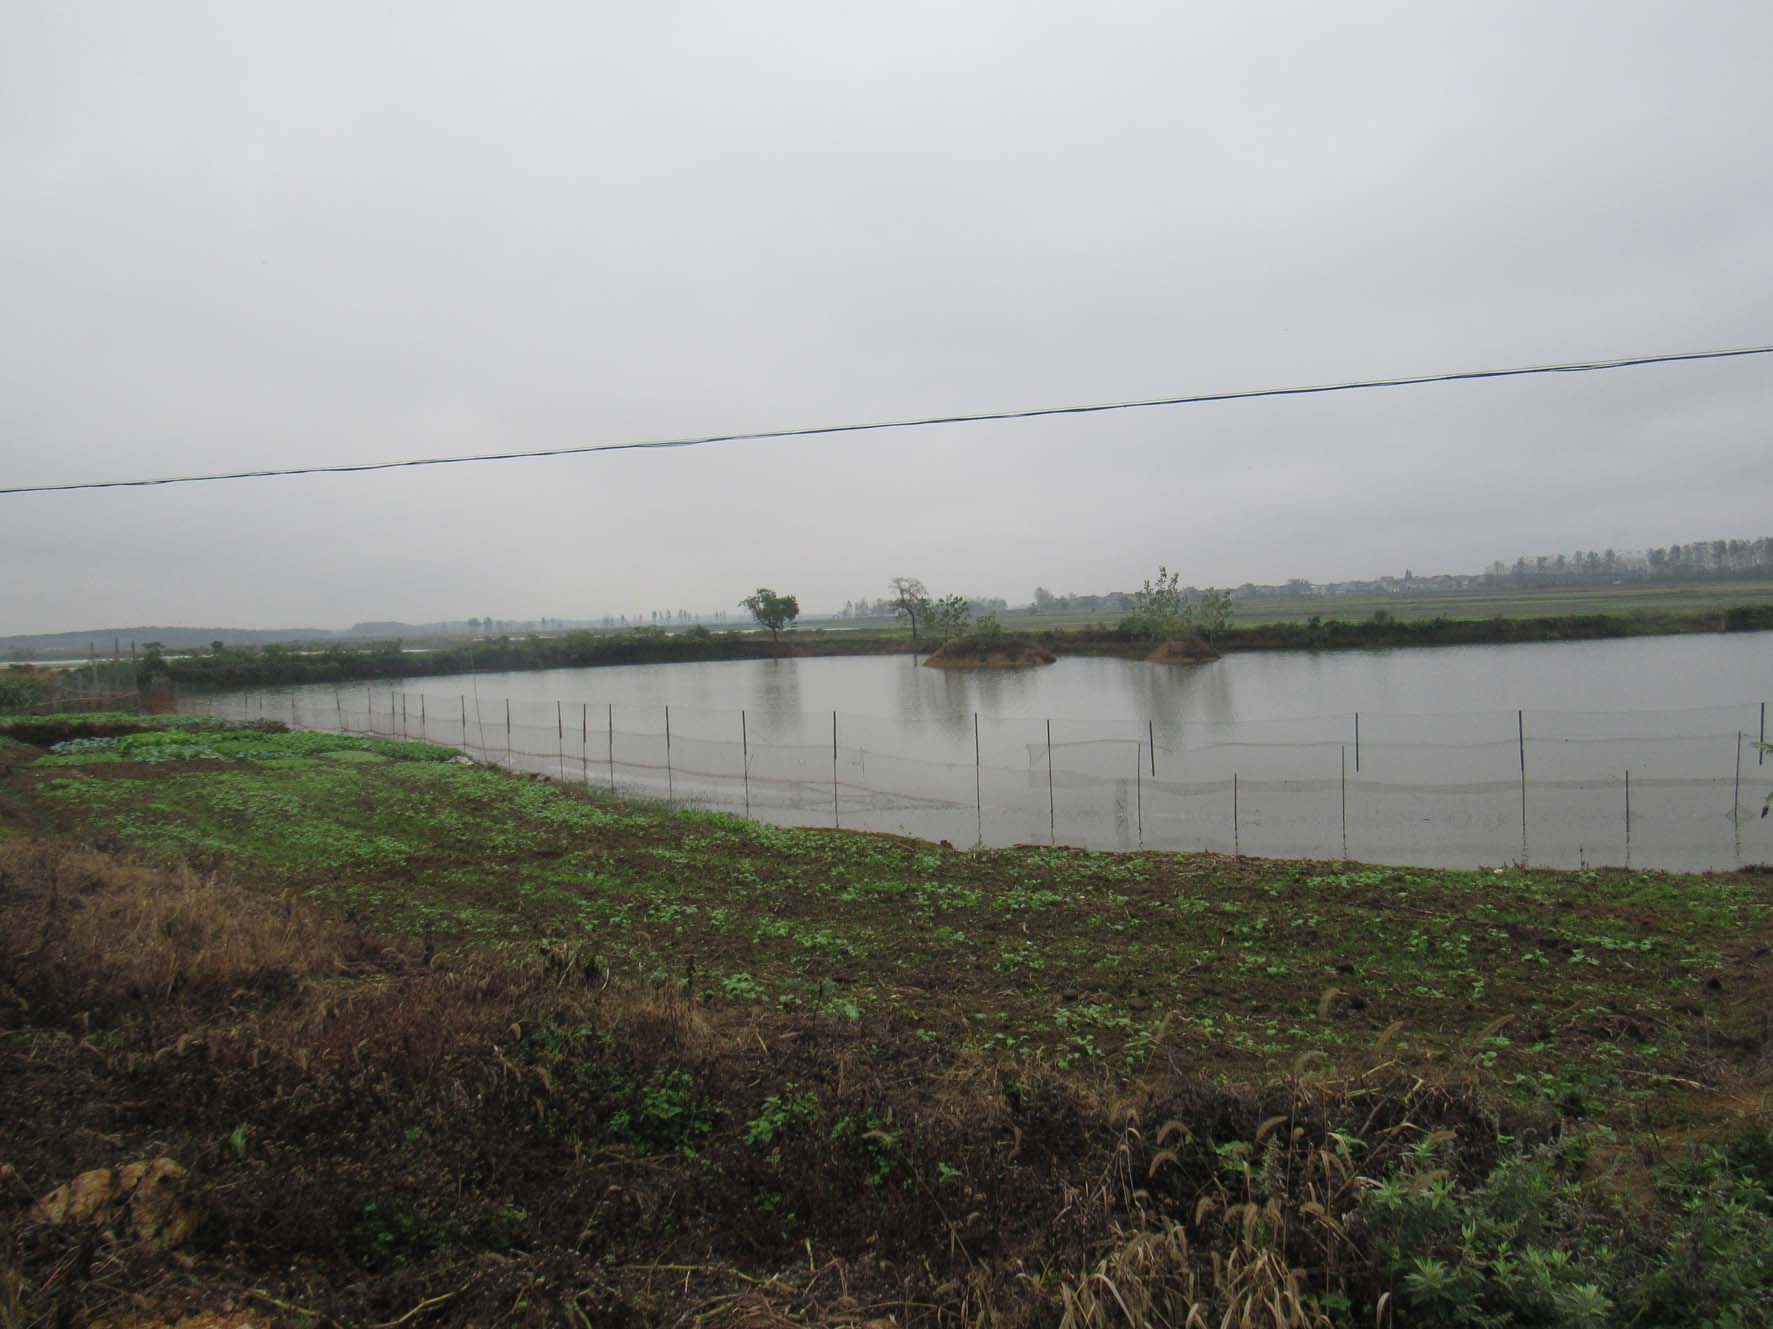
pixel 910 598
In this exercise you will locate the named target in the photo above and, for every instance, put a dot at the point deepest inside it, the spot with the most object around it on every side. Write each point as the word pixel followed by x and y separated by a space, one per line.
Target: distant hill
pixel 101 641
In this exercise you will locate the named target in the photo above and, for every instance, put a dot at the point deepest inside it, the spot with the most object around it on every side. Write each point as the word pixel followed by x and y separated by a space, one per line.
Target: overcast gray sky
pixel 242 234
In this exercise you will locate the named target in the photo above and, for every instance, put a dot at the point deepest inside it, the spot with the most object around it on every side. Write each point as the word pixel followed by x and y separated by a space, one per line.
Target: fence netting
pixel 1677 789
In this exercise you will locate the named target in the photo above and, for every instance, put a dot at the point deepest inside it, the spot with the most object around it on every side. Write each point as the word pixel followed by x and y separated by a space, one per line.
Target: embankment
pixel 273 666
pixel 990 653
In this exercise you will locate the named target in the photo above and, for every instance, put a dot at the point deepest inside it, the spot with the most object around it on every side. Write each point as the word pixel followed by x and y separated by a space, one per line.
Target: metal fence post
pixel 1344 752
pixel 1236 846
pixel 1357 742
pixel 585 740
pixel 834 817
pixel 978 785
pixel 1520 722
pixel 1052 809
pixel 670 781
pixel 560 736
pixel 1139 791
pixel 612 745
pixel 745 758
pixel 1736 791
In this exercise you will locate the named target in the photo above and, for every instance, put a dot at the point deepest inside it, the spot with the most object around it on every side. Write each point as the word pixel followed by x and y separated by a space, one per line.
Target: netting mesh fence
pixel 1677 789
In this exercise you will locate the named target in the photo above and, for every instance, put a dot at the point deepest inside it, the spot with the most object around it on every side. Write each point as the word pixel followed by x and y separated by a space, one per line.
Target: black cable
pixel 1579 367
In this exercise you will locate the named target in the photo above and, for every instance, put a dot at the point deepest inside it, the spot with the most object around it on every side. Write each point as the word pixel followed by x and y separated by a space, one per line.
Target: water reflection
pixel 945 700
pixel 1445 772
pixel 1480 685
pixel 778 686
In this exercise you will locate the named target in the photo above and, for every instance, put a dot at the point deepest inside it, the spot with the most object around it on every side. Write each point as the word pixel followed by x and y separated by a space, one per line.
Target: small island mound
pixel 1184 650
pixel 994 652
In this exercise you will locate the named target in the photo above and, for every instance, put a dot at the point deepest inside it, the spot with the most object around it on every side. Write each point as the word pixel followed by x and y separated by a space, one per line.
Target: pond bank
pixel 274 666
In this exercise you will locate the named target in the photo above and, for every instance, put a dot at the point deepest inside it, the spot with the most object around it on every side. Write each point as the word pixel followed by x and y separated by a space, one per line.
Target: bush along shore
pixel 305 1029
pixel 273 665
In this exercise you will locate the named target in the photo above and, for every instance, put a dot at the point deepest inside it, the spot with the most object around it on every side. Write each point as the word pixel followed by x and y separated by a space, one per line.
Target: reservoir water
pixel 1635 751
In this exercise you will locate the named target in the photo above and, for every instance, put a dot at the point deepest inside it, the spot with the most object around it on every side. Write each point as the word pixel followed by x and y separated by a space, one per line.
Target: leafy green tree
pixel 1213 614
pixel 153 662
pixel 1160 610
pixel 911 598
pixel 772 611
pixel 947 617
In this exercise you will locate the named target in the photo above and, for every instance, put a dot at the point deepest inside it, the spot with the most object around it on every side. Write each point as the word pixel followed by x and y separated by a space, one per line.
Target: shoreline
pixel 387 660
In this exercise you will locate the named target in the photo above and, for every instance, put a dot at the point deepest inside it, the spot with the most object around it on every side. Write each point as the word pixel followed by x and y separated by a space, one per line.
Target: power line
pixel 1196 399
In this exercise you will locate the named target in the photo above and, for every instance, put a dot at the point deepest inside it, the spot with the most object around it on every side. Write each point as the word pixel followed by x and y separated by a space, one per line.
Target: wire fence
pixel 93 685
pixel 1678 789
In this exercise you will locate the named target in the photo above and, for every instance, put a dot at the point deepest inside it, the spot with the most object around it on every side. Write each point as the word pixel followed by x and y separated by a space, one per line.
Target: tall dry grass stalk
pixel 106 928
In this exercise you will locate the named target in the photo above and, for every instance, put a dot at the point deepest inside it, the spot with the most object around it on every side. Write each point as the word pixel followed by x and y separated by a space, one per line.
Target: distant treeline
pixel 1704 560
pixel 273 666
pixel 1382 629
pixel 1385 629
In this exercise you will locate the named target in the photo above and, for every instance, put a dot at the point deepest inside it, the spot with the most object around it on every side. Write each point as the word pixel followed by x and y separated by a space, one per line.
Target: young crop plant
pixel 789 1112
pixel 741 987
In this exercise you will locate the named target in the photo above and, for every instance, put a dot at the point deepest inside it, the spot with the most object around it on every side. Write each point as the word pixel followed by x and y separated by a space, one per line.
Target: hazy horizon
pixel 257 236
pixel 739 618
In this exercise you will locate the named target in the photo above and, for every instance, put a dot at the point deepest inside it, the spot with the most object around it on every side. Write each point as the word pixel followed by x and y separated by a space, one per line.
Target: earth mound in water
pixel 1189 650
pixel 990 653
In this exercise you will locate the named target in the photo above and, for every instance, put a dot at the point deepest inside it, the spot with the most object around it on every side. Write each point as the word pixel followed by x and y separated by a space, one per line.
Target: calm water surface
pixel 1258 753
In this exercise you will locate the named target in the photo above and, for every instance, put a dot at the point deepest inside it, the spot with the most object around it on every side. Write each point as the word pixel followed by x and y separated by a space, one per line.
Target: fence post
pixel 1761 752
pixel 612 745
pixel 1736 792
pixel 403 729
pixel 1139 793
pixel 1151 739
pixel 1628 814
pixel 464 697
pixel 369 702
pixel 339 702
pixel 1357 742
pixel 424 725
pixel 745 757
pixel 585 741
pixel 1520 722
pixel 1052 810
pixel 1344 752
pixel 670 780
pixel 834 817
pixel 510 755
pixel 978 786
pixel 1236 847
pixel 560 736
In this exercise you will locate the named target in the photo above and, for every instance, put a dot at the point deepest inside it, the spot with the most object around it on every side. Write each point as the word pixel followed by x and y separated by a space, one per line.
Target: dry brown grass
pixel 378 1130
pixel 91 929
